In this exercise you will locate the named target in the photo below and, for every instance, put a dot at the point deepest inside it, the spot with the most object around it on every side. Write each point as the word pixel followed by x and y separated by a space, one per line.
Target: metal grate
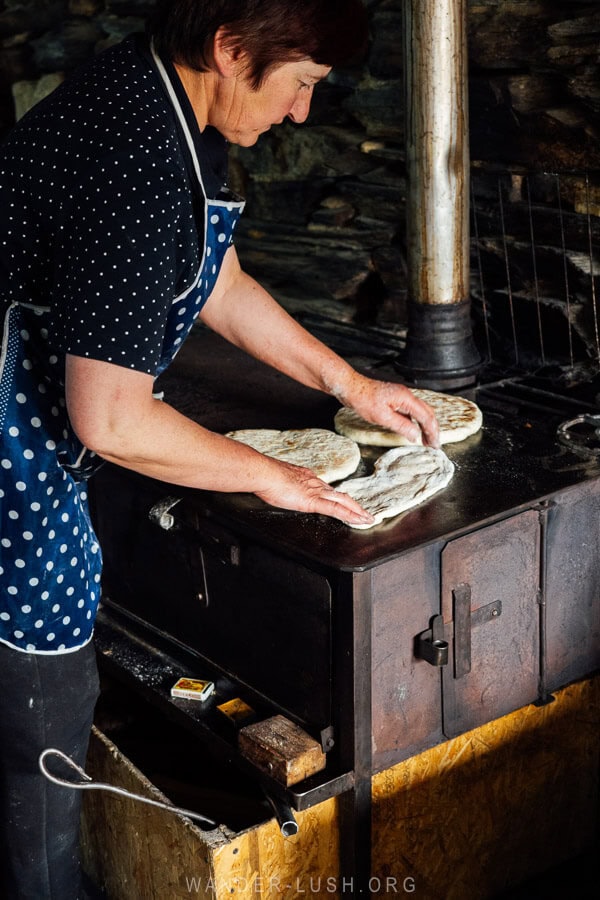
pixel 534 238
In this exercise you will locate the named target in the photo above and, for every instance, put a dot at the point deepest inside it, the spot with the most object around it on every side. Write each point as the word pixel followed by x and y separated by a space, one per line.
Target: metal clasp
pixel 464 622
pixel 431 644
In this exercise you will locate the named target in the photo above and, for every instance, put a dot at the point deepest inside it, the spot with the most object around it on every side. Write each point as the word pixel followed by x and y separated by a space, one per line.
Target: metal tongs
pixel 585 442
pixel 88 784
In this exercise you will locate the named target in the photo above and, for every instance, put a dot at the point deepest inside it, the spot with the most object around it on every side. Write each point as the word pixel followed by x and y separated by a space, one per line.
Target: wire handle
pixel 87 783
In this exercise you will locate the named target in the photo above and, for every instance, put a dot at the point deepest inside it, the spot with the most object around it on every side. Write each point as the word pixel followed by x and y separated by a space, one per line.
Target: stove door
pixel 490 607
pixel 485 584
pixel 262 619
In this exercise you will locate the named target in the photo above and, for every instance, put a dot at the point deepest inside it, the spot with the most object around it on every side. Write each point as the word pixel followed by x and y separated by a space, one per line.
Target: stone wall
pixel 325 200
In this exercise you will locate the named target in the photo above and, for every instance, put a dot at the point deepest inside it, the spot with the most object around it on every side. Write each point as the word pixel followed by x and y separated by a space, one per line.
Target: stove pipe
pixel 440 351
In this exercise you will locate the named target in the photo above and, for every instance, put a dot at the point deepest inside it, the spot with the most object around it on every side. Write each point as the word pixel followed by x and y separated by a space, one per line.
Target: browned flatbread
pixel 457 417
pixel 329 455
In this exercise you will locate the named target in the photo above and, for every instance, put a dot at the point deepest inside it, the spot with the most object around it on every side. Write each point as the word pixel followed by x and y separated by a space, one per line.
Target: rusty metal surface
pixel 496 570
pixel 506 556
pixel 513 462
pixel 571 636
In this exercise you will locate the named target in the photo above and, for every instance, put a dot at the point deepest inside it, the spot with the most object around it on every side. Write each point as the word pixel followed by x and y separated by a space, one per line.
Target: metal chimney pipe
pixel 440 351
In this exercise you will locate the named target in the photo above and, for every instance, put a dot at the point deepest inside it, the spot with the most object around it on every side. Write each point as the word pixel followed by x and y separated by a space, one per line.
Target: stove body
pixel 383 642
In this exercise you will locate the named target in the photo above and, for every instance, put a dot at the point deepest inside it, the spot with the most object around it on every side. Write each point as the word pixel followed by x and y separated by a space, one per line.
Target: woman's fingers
pixel 394 406
pixel 341 506
pixel 301 490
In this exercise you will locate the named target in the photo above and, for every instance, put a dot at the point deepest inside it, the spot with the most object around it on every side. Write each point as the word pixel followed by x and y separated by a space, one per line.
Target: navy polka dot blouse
pixel 100 209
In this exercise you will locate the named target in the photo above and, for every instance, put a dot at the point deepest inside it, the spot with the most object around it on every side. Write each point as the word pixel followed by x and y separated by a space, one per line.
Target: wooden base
pixel 140 852
pixel 461 821
pixel 492 807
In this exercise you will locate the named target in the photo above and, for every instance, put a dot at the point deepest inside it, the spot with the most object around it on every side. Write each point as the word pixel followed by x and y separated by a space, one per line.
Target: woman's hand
pixel 114 413
pixel 392 406
pixel 299 489
pixel 244 313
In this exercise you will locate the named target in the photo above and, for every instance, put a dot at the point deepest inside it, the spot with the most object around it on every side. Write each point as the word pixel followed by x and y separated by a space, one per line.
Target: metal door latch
pixel 431 645
pixel 464 621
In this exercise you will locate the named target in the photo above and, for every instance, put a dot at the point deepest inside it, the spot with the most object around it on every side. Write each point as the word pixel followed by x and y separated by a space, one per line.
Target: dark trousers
pixel 45 701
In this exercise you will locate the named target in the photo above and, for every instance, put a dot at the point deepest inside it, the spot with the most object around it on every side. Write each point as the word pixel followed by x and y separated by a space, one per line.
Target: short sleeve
pixel 125 253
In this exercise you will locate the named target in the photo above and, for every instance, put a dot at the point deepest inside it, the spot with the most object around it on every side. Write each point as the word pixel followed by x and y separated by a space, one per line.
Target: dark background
pixel 324 224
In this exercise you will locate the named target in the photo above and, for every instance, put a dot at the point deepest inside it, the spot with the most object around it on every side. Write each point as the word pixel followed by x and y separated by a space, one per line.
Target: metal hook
pixel 87 783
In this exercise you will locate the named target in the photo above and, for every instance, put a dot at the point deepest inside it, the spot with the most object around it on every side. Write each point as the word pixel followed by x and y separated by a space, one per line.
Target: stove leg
pixel 355 840
pixel 354 703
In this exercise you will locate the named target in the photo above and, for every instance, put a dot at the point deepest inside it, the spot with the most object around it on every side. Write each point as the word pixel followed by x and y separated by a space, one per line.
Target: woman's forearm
pixel 113 413
pixel 246 314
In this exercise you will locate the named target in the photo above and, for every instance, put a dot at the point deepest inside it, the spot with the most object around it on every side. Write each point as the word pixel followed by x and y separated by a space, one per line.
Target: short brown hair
pixel 271 32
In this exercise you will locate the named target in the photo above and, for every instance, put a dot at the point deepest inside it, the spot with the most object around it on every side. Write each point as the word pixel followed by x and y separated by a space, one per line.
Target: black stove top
pixel 516 460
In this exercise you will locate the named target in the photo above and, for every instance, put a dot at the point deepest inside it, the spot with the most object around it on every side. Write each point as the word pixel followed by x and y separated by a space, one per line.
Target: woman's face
pixel 241 114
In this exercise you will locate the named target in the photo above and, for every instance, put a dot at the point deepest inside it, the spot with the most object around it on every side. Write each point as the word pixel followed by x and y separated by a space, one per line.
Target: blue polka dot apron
pixel 50 561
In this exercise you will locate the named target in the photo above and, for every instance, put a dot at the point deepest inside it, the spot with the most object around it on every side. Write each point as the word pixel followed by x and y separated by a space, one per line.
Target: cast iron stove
pixel 379 643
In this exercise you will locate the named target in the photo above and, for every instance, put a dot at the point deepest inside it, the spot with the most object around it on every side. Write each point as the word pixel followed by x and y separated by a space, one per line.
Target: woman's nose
pixel 301 107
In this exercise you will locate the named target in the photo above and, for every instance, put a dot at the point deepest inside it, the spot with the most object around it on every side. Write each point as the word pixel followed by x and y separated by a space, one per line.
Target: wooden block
pixel 281 749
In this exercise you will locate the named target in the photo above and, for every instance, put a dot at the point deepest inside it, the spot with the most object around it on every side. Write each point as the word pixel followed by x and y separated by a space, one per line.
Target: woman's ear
pixel 229 60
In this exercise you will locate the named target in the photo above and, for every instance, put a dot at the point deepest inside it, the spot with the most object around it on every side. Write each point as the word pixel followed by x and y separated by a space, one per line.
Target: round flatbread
pixel 457 417
pixel 402 478
pixel 329 455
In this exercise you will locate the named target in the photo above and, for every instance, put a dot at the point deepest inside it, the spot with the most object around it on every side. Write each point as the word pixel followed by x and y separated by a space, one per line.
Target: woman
pixel 116 234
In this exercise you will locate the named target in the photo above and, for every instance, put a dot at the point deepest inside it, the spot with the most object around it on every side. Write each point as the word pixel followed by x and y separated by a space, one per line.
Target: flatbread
pixel 402 478
pixel 457 417
pixel 329 455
